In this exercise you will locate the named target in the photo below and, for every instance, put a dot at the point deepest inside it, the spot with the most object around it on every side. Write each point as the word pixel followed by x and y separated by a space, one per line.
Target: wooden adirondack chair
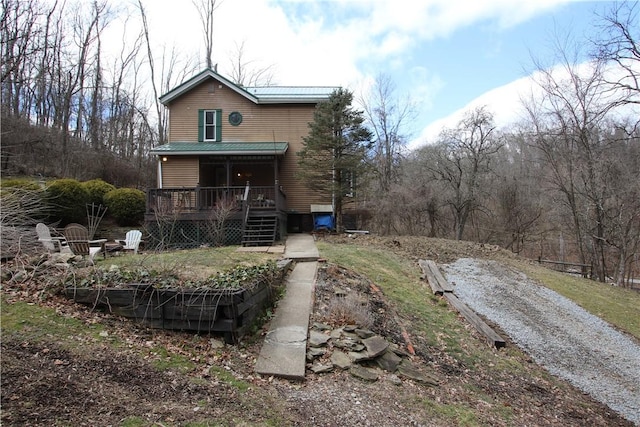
pixel 131 241
pixel 50 243
pixel 78 240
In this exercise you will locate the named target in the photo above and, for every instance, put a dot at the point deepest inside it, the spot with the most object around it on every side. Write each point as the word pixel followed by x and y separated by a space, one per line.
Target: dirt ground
pixel 45 383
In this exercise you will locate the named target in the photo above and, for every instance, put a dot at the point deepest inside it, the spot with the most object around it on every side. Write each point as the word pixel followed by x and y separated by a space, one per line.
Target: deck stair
pixel 260 230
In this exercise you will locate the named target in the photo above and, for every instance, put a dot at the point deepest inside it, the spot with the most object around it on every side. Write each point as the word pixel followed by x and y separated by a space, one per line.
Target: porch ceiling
pixel 221 148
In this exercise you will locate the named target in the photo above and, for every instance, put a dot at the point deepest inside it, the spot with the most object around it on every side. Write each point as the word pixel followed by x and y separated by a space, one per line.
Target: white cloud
pixel 503 102
pixel 506 102
pixel 331 42
pixel 325 43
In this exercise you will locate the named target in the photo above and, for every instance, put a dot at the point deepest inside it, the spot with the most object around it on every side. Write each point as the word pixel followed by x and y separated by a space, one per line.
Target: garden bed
pixel 208 307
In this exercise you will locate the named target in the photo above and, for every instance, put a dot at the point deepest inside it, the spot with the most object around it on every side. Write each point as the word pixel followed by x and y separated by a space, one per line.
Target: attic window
pixel 235 118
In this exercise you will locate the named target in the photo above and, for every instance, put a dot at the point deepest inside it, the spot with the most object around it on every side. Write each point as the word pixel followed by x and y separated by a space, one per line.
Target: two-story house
pixel 231 157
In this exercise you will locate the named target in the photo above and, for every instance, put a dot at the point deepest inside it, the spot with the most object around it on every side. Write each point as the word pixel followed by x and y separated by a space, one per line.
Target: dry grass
pixel 350 310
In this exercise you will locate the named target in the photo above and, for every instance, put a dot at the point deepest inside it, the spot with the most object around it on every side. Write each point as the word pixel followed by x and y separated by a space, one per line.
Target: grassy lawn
pixel 618 306
pixel 483 381
pixel 399 278
pixel 191 263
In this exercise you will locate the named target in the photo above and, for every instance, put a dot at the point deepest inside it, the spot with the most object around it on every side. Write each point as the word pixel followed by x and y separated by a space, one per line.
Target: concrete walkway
pixel 284 351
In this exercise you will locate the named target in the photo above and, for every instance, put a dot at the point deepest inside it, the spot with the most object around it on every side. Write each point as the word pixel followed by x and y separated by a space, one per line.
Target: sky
pixel 444 55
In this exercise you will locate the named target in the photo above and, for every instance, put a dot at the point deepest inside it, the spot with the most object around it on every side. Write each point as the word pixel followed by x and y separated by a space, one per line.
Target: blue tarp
pixel 323 222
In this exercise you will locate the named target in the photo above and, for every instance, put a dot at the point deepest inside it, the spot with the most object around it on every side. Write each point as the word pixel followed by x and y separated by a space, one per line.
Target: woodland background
pixel 563 184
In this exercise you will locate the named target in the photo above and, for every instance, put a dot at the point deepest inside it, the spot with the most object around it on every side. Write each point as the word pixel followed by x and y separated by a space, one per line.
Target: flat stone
pixel 336 334
pixel 389 361
pixel 321 326
pixel 363 373
pixel 318 339
pixel 321 369
pixel 398 350
pixel 407 369
pixel 359 356
pixel 347 344
pixel 341 360
pixel 375 345
pixel 350 335
pixel 364 333
pixel 350 328
pixel 313 353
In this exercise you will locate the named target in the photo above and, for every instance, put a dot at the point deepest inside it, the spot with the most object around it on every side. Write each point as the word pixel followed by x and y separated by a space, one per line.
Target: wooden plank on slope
pixel 428 274
pixel 492 337
pixel 442 282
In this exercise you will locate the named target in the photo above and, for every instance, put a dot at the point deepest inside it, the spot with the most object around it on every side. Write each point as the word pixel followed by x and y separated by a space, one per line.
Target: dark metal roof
pixel 221 148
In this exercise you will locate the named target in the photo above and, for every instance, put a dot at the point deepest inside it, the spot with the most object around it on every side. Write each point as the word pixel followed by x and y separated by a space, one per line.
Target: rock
pixel 317 339
pixel 395 380
pixel 350 335
pixel 349 344
pixel 398 350
pixel 350 328
pixel 375 345
pixel 336 334
pixel 359 356
pixel 319 368
pixel 364 333
pixel 341 360
pixel 315 352
pixel 363 373
pixel 389 361
pixel 321 326
pixel 215 344
pixel 407 369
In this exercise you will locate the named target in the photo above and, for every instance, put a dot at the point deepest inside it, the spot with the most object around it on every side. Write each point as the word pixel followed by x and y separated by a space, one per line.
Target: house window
pixel 349 183
pixel 209 125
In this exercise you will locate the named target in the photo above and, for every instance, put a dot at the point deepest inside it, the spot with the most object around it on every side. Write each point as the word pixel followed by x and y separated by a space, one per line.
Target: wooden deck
pixel 200 203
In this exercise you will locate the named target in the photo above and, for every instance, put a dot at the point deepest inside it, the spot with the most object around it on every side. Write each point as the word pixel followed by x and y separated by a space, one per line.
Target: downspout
pixel 159 172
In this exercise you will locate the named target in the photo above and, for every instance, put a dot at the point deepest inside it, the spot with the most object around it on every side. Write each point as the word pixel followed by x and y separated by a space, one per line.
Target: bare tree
pixel 205 10
pixel 460 161
pixel 386 116
pixel 619 43
pixel 246 72
pixel 571 122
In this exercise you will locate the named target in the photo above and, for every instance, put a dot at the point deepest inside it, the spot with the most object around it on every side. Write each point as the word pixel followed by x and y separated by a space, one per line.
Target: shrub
pixel 67 200
pixel 21 183
pixel 126 205
pixel 97 188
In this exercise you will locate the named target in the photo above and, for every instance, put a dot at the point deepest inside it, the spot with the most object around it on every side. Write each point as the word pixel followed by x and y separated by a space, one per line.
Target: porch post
pixel 275 168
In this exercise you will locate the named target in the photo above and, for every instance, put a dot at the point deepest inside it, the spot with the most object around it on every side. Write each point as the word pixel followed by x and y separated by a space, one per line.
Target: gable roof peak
pixel 256 94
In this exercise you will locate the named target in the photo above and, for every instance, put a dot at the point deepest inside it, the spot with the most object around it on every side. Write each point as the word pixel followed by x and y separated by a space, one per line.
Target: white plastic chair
pixel 131 241
pixel 51 244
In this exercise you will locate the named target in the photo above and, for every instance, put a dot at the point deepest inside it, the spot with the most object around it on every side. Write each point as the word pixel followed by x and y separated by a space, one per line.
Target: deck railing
pixel 196 199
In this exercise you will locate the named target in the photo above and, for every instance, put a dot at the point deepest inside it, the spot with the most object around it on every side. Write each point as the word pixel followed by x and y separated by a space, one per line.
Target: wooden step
pixel 260 231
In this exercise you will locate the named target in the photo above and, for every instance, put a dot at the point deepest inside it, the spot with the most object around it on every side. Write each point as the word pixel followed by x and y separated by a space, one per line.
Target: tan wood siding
pixel 261 123
pixel 179 171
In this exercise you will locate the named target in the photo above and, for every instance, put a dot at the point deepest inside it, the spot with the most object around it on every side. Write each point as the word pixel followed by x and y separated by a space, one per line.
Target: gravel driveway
pixel 557 333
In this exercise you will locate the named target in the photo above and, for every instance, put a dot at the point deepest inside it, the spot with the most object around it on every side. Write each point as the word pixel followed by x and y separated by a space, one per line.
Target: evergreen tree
pixel 332 159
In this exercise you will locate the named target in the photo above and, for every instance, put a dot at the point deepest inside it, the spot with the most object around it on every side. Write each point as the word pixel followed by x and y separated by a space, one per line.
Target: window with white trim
pixel 209 125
